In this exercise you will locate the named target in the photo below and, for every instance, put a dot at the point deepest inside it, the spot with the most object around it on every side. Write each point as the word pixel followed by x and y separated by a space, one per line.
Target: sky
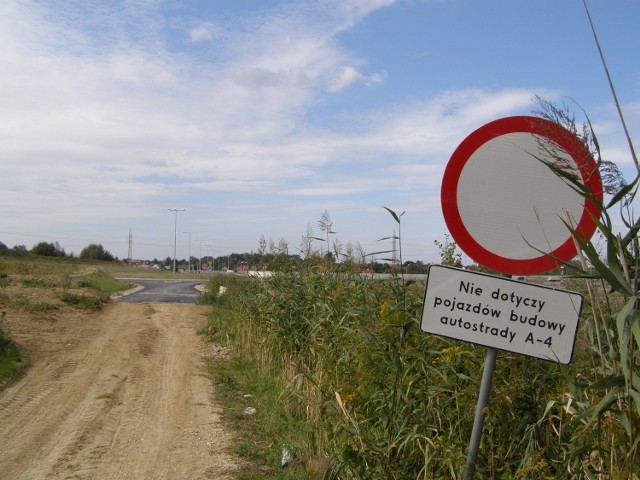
pixel 256 116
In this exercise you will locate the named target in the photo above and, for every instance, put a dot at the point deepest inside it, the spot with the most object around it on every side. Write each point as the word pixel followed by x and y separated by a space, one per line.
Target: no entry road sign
pixel 506 208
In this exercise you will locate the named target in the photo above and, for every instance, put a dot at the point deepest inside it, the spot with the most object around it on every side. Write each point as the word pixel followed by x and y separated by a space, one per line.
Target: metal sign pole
pixel 478 421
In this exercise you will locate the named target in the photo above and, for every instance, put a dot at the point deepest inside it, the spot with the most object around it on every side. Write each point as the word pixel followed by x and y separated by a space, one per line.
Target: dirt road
pixel 121 394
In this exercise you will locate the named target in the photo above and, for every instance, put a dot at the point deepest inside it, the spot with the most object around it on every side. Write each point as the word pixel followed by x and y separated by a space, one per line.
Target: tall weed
pixel 384 399
pixel 602 405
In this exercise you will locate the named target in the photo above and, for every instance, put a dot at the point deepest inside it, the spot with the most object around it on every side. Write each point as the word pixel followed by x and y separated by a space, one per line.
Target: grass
pixel 34 265
pixel 122 270
pixel 10 359
pixel 102 282
pixel 241 383
pixel 37 283
pixel 85 302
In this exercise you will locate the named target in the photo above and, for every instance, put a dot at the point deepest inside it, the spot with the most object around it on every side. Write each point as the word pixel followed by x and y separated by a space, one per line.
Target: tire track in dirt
pixel 128 398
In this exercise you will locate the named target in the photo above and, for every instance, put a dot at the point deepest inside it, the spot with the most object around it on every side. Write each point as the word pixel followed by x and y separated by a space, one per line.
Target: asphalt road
pixel 162 291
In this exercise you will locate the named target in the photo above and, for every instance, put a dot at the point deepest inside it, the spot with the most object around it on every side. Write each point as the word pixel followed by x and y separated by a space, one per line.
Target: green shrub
pixel 219 286
pixel 208 298
pixel 96 252
pixel 48 249
pixel 81 301
pixel 10 359
pixel 36 283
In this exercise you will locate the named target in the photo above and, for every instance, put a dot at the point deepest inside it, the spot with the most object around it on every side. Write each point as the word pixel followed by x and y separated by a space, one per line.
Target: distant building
pixel 139 263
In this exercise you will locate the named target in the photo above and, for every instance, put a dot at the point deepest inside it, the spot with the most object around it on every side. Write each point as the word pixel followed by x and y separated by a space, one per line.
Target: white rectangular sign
pixel 501 313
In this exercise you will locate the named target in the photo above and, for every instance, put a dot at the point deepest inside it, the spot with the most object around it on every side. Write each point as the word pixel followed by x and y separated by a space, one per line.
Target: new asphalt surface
pixel 162 291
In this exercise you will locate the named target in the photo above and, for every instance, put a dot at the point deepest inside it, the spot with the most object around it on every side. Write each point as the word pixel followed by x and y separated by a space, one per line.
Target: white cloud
pixel 349 75
pixel 200 34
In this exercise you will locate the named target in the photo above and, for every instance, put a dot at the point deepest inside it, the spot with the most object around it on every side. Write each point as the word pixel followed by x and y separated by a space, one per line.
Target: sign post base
pixel 478 421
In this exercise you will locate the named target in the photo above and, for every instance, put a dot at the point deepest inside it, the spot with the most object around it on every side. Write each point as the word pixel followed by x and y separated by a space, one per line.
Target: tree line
pixel 92 251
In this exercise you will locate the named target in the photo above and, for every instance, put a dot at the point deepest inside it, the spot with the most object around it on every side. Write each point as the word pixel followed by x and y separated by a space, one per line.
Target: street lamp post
pixel 175 233
pixel 189 233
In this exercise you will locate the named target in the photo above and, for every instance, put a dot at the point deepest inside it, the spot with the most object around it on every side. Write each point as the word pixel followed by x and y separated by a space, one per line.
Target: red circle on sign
pixel 560 137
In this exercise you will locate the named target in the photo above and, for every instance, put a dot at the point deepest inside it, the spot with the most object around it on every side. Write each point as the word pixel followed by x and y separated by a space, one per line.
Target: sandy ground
pixel 119 394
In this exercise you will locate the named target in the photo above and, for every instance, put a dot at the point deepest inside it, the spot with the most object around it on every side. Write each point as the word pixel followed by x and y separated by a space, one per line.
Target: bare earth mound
pixel 120 394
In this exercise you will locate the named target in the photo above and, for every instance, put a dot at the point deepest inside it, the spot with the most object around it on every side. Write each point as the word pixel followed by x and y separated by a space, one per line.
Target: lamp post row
pixel 175 239
pixel 175 233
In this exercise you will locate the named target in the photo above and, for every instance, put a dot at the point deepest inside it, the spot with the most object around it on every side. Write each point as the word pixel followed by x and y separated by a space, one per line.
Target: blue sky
pixel 256 116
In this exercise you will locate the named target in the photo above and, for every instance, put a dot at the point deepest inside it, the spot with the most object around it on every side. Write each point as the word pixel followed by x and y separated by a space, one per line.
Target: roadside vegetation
pixel 365 394
pixel 345 383
pixel 10 357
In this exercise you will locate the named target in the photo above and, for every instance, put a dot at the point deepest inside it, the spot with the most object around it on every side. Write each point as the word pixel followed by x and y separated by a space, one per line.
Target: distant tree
pixel 476 267
pixel 95 252
pixel 306 243
pixel 378 267
pixel 48 249
pixel 43 248
pixel 416 267
pixel 3 247
pixel 59 250
pixel 19 250
pixel 448 253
